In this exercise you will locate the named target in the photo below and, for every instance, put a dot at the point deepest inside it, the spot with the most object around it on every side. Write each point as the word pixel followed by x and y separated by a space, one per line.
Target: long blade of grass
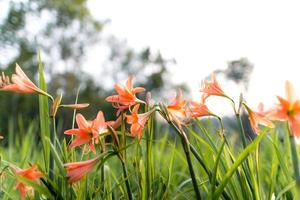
pixel 44 116
pixel 245 153
pixel 215 169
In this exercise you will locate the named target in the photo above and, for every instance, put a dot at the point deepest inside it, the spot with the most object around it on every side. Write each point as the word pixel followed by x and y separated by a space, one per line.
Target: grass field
pixel 155 151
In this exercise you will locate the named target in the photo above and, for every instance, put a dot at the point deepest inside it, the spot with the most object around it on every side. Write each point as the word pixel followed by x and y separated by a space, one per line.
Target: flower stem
pixel 295 163
pixel 189 161
pixel 127 183
pixel 186 147
pixel 52 139
pixel 239 120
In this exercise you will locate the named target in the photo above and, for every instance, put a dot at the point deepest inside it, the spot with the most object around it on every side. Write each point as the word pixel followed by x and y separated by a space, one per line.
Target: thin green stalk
pixel 149 163
pixel 239 120
pixel 52 139
pixel 123 137
pixel 295 163
pixel 73 154
pixel 186 147
pixel 189 161
pixel 102 170
pixel 197 156
pixel 138 159
pixel 126 178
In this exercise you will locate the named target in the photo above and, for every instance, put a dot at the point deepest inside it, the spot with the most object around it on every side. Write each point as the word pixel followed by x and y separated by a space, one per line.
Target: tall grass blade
pixel 245 153
pixel 44 116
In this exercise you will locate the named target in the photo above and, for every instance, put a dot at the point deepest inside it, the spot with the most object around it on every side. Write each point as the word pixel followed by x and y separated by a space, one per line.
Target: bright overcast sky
pixel 205 35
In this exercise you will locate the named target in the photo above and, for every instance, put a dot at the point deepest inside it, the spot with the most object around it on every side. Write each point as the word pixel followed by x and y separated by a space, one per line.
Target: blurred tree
pixel 239 71
pixel 63 31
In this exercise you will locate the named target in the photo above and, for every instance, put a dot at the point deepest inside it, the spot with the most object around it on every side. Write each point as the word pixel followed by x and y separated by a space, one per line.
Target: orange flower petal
pixel 76 106
pixel 82 123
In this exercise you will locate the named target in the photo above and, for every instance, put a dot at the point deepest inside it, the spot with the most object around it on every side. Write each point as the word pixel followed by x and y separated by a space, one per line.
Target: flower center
pixel 291 112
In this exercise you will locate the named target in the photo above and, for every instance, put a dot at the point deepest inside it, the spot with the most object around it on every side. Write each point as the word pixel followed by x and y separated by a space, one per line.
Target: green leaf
pixel 215 169
pixel 44 115
pixel 245 153
pixel 57 159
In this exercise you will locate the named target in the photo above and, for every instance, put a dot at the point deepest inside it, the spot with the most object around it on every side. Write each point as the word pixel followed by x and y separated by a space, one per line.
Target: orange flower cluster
pixel 126 96
pixel 88 131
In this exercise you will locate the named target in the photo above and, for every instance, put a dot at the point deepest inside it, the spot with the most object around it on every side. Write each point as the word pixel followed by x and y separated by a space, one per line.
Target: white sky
pixel 204 35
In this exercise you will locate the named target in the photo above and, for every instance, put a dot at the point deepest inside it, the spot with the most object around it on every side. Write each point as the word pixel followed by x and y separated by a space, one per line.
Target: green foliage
pixel 169 177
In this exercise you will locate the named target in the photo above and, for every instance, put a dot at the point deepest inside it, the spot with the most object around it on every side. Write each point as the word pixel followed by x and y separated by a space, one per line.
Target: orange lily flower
pixel 289 110
pixel 77 170
pixel 88 131
pixel 137 121
pixel 212 88
pixel 177 110
pixel 196 110
pixel 126 96
pixel 259 117
pixel 31 173
pixel 19 83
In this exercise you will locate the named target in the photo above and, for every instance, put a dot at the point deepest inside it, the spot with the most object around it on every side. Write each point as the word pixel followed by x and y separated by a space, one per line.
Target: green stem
pixel 295 163
pixel 239 120
pixel 52 139
pixel 197 156
pixel 126 178
pixel 102 171
pixel 186 147
pixel 189 161
pixel 149 160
